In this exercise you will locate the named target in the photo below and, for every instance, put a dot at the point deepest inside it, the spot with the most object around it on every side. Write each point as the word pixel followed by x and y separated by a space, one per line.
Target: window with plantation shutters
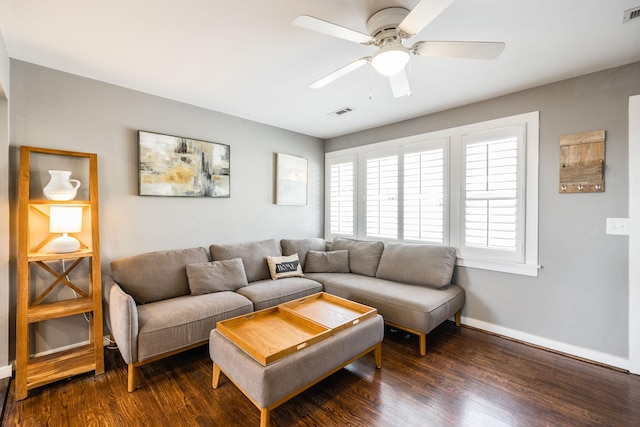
pixel 382 197
pixel 341 198
pixel 472 187
pixel 493 202
pixel 424 196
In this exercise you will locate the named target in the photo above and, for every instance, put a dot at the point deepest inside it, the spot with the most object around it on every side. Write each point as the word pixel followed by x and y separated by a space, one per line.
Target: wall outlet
pixel 618 226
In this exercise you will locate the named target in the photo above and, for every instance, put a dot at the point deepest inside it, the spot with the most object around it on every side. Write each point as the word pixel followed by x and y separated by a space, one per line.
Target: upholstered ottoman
pixel 270 386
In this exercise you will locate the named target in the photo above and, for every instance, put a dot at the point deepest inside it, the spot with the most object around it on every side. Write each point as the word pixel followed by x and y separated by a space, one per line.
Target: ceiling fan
pixel 388 29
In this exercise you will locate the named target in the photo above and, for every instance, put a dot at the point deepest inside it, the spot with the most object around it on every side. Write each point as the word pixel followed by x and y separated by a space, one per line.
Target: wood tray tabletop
pixel 331 311
pixel 273 333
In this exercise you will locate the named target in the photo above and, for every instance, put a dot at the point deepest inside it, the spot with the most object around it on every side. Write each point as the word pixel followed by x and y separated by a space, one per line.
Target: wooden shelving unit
pixel 35 371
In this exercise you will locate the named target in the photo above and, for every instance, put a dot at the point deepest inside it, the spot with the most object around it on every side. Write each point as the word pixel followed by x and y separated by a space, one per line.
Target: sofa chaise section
pixel 409 285
pixel 414 309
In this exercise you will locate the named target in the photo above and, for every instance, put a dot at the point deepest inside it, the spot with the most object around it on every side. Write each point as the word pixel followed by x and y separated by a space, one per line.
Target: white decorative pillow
pixel 284 266
pixel 216 276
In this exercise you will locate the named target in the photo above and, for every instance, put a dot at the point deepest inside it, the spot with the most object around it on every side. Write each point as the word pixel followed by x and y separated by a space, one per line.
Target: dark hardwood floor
pixel 468 378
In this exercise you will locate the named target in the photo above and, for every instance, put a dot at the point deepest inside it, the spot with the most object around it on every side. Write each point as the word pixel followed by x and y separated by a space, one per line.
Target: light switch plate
pixel 618 226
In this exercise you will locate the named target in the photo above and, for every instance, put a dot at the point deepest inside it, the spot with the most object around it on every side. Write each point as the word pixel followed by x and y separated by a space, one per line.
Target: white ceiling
pixel 245 58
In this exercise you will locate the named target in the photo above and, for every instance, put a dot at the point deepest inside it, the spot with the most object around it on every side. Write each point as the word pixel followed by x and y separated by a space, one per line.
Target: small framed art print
pixel 291 179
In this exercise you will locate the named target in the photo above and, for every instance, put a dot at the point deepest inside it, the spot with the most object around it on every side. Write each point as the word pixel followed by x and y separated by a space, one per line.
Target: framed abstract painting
pixel 182 167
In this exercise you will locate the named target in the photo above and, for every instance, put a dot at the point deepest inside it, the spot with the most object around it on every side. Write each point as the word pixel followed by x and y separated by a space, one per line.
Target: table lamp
pixel 65 219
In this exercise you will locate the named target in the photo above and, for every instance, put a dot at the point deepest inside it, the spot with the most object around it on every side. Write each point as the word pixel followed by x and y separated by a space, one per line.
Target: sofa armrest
pixel 107 284
pixel 123 315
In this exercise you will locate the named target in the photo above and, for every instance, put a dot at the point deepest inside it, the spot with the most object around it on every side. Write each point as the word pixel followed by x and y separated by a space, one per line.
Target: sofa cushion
pixel 327 262
pixel 364 256
pixel 216 276
pixel 269 293
pixel 284 266
pixel 302 246
pixel 422 265
pixel 156 276
pixel 176 323
pixel 253 254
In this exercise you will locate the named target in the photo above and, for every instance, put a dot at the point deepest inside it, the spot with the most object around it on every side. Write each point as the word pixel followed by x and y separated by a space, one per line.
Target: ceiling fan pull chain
pixel 370 82
pixel 409 74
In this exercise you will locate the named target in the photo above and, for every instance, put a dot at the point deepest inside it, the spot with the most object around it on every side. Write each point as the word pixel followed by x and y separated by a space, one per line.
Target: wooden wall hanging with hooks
pixel 582 162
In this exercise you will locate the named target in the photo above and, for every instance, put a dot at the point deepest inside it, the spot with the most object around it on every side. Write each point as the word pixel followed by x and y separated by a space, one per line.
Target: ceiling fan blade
pixel 331 29
pixel 472 50
pixel 339 73
pixel 400 84
pixel 421 15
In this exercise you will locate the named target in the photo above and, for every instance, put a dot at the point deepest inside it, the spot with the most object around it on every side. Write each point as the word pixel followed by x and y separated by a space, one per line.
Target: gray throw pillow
pixel 216 276
pixel 364 256
pixel 327 262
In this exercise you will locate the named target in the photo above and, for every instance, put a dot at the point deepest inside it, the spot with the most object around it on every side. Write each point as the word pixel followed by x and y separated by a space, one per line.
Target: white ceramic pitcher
pixel 61 187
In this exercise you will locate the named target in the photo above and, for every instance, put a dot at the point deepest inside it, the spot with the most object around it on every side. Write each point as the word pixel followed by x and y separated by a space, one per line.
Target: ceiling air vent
pixel 631 14
pixel 341 112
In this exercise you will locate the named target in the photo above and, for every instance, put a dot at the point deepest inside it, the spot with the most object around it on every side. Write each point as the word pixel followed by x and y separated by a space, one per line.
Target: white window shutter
pixel 382 197
pixel 341 198
pixel 493 196
pixel 424 193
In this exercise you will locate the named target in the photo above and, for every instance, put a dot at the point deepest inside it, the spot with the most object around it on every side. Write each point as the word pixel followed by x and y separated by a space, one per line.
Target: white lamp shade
pixel 390 60
pixel 65 219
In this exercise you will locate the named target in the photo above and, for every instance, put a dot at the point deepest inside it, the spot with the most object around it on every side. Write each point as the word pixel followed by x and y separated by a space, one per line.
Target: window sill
pixel 503 267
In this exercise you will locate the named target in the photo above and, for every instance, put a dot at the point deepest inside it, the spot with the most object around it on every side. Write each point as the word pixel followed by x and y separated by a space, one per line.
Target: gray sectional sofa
pixel 160 303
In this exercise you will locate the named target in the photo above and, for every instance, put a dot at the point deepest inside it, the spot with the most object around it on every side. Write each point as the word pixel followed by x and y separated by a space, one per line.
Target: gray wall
pixel 5 370
pixel 579 302
pixel 58 110
pixel 580 298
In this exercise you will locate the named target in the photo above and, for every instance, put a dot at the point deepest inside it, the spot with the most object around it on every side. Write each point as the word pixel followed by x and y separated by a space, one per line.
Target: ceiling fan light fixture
pixel 390 60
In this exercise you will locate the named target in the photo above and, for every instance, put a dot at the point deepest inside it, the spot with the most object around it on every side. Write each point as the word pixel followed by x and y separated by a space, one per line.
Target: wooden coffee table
pixel 274 354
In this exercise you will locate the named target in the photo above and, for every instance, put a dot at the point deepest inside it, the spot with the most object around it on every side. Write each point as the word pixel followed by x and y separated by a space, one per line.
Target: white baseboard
pixel 583 353
pixel 5 371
